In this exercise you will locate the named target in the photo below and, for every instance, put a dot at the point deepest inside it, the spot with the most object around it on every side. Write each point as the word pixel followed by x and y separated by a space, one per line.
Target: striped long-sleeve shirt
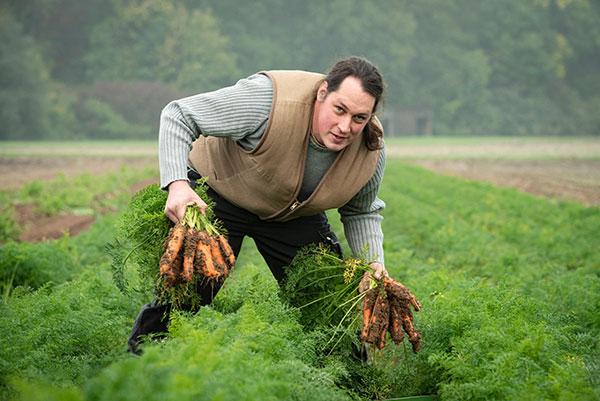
pixel 241 112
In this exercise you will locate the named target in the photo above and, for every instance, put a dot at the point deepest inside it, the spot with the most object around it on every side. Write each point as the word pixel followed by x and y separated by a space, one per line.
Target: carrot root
pixel 189 252
pixel 205 255
pixel 167 268
pixel 227 251
pixel 380 319
pixel 368 304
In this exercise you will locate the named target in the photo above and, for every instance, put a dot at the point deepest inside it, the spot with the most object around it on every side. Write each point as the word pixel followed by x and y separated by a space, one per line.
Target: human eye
pixel 360 118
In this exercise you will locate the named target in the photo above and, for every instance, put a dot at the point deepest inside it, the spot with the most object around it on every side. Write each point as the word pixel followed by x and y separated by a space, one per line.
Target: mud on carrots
pixel 197 254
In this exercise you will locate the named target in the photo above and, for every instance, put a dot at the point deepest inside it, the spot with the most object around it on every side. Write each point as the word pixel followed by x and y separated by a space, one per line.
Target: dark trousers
pixel 277 242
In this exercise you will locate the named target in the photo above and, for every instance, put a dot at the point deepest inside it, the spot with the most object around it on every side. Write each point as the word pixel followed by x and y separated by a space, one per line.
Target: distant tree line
pixel 104 68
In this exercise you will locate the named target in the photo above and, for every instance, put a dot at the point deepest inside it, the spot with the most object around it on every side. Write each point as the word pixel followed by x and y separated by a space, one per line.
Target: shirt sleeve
pixel 362 219
pixel 239 112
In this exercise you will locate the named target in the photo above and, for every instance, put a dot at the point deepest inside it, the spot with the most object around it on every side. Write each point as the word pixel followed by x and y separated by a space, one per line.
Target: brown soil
pixel 189 251
pixel 380 320
pixel 37 227
pixel 17 171
pixel 501 149
pixel 566 179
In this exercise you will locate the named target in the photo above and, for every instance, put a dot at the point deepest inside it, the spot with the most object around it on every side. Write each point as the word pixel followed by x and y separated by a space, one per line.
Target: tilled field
pixel 19 170
pixel 551 169
pixel 565 179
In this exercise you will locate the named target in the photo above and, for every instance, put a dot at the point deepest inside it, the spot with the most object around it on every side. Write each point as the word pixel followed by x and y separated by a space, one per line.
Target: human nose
pixel 344 124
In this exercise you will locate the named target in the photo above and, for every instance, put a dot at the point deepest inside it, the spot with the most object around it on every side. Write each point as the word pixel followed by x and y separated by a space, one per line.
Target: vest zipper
pixel 294 205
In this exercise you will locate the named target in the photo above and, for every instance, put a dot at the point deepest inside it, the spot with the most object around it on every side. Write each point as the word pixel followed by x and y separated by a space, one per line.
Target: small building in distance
pixel 407 122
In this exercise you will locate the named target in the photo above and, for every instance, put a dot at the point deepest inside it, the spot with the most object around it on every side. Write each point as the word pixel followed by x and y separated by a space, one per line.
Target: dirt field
pixel 497 148
pixel 569 179
pixel 556 170
pixel 15 172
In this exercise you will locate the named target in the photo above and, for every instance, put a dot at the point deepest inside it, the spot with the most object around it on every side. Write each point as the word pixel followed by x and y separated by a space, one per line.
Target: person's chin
pixel 334 147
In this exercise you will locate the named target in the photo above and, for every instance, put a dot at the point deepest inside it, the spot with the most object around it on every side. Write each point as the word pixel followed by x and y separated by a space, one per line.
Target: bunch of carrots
pixel 387 308
pixel 195 249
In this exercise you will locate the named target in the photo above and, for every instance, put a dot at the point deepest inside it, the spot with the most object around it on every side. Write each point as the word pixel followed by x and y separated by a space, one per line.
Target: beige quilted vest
pixel 266 180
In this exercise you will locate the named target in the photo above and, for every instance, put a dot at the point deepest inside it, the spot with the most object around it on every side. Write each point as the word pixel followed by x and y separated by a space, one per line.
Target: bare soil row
pixel 572 172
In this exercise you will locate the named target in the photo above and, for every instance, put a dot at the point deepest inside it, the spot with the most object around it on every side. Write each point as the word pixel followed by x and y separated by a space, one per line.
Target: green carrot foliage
pixel 142 230
pixel 509 286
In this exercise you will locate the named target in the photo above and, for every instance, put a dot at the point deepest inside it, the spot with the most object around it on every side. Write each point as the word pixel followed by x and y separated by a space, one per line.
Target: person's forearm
pixel 174 143
pixel 362 219
pixel 363 233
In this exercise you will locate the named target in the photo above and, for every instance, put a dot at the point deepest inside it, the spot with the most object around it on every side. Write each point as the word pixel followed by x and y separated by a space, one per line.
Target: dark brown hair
pixel 372 83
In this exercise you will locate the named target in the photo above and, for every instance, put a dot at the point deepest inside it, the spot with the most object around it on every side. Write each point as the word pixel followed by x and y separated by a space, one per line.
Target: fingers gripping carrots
pixel 195 250
pixel 390 312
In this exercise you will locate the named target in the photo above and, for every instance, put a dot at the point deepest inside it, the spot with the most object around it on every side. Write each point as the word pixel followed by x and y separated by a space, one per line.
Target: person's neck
pixel 314 120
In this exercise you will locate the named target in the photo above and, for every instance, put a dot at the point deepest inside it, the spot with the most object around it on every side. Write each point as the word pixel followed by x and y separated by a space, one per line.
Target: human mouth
pixel 338 138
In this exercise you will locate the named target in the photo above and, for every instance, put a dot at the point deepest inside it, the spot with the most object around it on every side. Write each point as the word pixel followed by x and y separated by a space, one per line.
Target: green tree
pixel 61 28
pixel 449 74
pixel 378 30
pixel 272 34
pixel 577 22
pixel 265 34
pixel 157 40
pixel 24 107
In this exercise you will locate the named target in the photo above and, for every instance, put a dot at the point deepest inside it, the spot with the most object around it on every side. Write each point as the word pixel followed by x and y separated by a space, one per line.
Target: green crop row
pixel 509 285
pixel 82 194
pixel 47 263
pixel 511 311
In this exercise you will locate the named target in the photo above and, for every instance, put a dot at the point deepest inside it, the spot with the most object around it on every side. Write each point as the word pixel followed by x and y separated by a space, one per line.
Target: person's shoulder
pixel 256 81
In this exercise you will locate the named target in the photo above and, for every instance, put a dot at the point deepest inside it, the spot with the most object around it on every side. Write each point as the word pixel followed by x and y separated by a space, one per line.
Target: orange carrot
pixel 217 256
pixel 173 246
pixel 395 326
pixel 402 300
pixel 189 251
pixel 227 251
pixel 205 254
pixel 414 335
pixel 167 274
pixel 174 242
pixel 380 320
pixel 400 291
pixel 368 304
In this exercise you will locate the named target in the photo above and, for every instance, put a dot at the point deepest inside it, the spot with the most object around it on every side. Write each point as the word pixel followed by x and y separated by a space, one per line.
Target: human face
pixel 340 116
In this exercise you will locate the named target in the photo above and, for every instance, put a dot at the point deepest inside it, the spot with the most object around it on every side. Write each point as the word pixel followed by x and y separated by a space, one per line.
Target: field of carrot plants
pixel 509 286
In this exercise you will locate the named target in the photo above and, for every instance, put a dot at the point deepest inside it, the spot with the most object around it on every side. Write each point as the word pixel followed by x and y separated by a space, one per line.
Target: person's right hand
pixel 181 195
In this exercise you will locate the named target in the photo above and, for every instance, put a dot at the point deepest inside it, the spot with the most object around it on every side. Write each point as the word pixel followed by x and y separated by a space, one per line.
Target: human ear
pixel 322 91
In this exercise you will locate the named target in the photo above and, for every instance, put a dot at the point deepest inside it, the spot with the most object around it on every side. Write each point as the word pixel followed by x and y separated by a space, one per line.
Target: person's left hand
pixel 379 273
